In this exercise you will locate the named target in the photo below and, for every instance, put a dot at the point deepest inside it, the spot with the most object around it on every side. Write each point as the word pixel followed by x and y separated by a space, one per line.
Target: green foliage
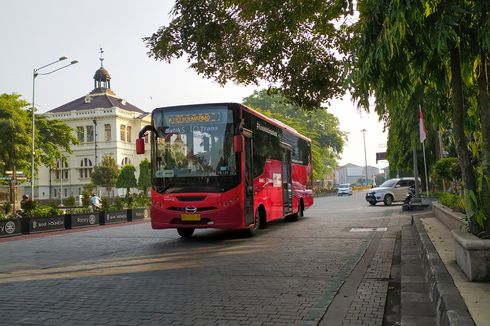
pixel 54 140
pixel 126 178
pixel 119 204
pixel 41 211
pixel 144 178
pixel 105 174
pixel 105 204
pixel 453 201
pixel 15 128
pixel 448 168
pixel 70 201
pixel 320 126
pixel 292 44
pixel 86 198
pixel 6 208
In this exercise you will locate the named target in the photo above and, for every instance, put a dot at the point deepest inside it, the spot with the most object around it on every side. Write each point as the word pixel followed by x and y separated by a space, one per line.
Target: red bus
pixel 225 166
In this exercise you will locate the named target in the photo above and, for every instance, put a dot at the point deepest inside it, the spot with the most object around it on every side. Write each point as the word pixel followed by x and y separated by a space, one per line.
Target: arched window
pixel 122 130
pixel 125 161
pixel 85 168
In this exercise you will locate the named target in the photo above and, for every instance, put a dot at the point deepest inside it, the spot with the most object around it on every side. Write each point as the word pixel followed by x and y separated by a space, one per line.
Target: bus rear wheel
pixel 185 232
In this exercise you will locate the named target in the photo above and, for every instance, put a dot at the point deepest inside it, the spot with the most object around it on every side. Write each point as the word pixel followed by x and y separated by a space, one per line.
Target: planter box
pixel 10 227
pixel 472 255
pixel 115 217
pixel 43 224
pixel 138 214
pixel 453 220
pixel 80 220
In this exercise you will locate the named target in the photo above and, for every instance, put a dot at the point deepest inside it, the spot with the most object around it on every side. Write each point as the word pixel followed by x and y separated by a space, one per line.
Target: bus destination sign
pixel 186 118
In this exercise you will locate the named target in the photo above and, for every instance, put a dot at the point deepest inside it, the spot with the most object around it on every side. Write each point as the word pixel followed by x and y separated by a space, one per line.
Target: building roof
pixel 96 101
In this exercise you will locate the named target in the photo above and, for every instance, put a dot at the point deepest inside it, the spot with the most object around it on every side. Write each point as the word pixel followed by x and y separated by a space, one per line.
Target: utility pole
pixel 365 156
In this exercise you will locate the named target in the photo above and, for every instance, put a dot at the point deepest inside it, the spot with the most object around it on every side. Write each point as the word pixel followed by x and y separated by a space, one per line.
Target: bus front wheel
pixel 185 232
pixel 255 228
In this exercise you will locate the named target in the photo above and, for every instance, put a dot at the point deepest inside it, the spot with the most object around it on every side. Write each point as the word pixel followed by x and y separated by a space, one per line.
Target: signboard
pixel 380 156
pixel 116 217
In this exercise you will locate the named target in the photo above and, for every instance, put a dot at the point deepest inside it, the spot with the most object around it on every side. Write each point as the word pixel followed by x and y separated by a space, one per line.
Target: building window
pixel 90 134
pixel 123 132
pixel 128 133
pixel 125 161
pixel 81 134
pixel 62 169
pixel 85 168
pixel 54 192
pixel 107 132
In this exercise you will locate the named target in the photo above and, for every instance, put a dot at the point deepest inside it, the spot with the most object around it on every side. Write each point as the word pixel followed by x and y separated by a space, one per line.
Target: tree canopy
pixel 144 178
pixel 126 178
pixel 105 174
pixel 293 44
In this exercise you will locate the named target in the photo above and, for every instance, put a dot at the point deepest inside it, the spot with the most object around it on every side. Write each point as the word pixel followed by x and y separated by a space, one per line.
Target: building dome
pixel 102 75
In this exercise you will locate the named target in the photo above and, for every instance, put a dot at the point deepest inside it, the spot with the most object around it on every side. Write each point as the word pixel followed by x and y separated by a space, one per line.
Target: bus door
pixel 287 189
pixel 248 182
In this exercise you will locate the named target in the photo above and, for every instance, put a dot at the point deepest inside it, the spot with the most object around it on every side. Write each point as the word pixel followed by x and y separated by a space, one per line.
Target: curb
pixel 450 307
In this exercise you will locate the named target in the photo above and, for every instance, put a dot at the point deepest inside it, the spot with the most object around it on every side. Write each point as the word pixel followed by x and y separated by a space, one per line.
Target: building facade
pixel 351 173
pixel 105 125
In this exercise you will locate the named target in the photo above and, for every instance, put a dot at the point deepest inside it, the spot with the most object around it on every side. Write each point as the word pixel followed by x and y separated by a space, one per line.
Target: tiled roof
pixel 96 101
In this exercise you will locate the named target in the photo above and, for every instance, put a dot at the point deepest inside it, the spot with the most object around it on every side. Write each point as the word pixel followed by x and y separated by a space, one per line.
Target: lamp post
pixel 365 156
pixel 35 73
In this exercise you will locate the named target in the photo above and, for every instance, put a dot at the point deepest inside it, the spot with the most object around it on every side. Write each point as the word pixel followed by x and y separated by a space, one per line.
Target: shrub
pixel 452 201
pixel 6 208
pixel 41 211
pixel 85 198
pixel 70 201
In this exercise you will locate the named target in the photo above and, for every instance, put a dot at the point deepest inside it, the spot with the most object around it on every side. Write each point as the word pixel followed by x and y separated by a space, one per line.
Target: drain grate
pixel 368 229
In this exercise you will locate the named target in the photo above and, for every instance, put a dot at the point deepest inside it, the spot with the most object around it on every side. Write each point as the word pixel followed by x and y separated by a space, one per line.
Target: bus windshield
pixel 194 142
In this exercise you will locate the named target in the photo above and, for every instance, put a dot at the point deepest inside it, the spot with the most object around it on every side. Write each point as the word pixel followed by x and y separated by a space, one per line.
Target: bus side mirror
pixel 140 146
pixel 238 143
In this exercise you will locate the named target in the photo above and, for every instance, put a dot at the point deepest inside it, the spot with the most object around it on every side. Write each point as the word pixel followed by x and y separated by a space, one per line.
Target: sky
pixel 35 33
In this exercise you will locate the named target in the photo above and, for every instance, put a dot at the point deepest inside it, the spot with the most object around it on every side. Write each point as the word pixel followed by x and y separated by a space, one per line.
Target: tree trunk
pixel 483 98
pixel 464 155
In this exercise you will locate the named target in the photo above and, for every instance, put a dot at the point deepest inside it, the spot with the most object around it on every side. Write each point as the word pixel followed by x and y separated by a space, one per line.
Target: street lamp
pixel 36 73
pixel 365 156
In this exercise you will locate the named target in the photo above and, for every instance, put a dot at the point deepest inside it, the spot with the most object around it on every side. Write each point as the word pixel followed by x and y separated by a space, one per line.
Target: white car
pixel 393 190
pixel 344 189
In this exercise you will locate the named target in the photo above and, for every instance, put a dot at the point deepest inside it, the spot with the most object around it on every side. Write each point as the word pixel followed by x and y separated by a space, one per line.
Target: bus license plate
pixel 190 217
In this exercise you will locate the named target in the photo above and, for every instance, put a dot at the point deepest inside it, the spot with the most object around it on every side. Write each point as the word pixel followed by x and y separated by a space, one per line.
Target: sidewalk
pixel 475 294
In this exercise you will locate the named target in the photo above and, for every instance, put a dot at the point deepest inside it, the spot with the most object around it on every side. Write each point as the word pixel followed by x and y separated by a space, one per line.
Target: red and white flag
pixel 422 130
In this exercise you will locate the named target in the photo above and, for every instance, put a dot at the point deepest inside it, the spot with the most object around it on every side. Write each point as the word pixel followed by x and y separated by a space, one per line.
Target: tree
pixel 408 53
pixel 321 127
pixel 105 174
pixel 126 178
pixel 53 141
pixel 295 45
pixel 14 143
pixel 144 178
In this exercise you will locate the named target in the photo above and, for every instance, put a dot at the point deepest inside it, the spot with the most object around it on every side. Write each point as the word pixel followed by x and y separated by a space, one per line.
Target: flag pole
pixel 425 169
pixel 423 136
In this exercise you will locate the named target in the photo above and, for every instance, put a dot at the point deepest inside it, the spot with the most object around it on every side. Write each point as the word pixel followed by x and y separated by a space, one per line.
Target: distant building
pixel 351 173
pixel 105 125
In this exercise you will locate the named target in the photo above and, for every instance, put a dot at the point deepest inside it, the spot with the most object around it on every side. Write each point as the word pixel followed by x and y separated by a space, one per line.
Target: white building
pixel 351 173
pixel 105 125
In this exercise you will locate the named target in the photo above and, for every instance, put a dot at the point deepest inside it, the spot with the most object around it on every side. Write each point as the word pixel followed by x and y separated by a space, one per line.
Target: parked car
pixel 344 189
pixel 393 190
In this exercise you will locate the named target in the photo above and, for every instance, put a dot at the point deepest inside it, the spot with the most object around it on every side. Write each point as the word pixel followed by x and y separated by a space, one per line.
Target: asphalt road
pixel 288 274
